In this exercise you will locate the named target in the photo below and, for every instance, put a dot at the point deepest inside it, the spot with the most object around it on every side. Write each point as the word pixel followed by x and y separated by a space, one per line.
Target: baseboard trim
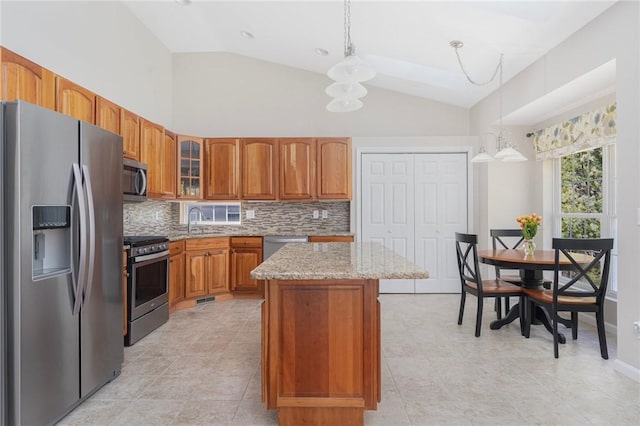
pixel 627 370
pixel 590 319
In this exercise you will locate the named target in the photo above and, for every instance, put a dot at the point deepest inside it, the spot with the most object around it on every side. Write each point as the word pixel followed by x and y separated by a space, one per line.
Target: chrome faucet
pixel 190 226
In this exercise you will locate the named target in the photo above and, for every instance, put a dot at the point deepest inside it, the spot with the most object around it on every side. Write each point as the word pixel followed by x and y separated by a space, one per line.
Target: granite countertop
pixel 184 235
pixel 320 261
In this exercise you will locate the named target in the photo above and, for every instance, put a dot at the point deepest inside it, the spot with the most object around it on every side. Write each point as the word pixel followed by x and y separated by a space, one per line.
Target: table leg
pixel 514 313
pixel 541 316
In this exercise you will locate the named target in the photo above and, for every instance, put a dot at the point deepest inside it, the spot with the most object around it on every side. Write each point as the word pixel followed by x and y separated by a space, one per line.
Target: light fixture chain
pixel 467 74
pixel 500 133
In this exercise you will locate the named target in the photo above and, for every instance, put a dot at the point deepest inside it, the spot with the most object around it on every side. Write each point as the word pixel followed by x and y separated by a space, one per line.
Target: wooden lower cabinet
pixel 331 239
pixel 321 353
pixel 219 266
pixel 176 273
pixel 207 267
pixel 246 255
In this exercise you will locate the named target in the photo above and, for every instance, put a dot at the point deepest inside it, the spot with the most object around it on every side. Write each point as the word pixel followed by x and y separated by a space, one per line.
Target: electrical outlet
pixel 156 215
pixel 316 214
pixel 250 214
pixel 325 214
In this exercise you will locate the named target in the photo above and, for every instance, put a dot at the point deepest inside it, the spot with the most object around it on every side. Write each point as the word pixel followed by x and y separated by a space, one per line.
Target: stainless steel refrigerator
pixel 61 266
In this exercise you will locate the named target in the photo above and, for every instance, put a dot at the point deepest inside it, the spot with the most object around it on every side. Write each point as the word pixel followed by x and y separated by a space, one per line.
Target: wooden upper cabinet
pixel 169 165
pixel 151 153
pixel 75 100
pixel 107 115
pixel 130 132
pixel 189 167
pixel 334 168
pixel 222 166
pixel 158 150
pixel 25 80
pixel 259 168
pixel 297 169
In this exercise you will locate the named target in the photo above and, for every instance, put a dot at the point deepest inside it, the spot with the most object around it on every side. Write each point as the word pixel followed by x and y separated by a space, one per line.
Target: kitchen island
pixel 321 329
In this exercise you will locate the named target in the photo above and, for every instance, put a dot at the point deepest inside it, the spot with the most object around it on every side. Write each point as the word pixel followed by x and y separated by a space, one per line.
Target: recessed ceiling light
pixel 321 52
pixel 247 35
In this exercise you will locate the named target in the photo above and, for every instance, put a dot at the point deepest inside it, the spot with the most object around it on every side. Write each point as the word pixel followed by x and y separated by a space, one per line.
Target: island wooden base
pixel 321 350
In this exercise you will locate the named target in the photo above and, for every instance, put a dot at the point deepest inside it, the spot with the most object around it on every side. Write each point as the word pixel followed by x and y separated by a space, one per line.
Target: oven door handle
pixel 151 256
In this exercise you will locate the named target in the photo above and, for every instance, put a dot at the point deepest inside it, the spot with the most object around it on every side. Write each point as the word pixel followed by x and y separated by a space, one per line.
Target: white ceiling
pixel 407 42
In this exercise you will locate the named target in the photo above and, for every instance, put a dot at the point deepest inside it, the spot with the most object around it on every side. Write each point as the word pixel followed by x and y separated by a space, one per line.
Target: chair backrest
pixel 593 276
pixel 467 254
pixel 505 239
pixel 499 238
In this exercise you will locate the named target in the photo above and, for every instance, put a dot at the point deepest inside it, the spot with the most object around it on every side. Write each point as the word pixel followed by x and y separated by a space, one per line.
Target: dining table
pixel 531 274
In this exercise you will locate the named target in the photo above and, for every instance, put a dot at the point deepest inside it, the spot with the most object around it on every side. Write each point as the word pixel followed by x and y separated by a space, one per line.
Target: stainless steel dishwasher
pixel 274 243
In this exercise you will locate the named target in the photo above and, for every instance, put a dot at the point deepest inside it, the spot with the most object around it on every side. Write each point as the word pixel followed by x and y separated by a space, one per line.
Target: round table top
pixel 540 258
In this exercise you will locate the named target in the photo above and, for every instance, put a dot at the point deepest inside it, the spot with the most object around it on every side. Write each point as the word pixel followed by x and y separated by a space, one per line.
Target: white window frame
pixel 609 216
pixel 186 205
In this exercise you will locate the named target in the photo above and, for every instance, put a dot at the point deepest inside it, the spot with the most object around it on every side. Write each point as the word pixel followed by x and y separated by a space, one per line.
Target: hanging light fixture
pixel 506 151
pixel 348 74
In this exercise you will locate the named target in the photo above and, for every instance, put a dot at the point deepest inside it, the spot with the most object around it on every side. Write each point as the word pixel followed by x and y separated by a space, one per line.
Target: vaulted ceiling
pixel 407 42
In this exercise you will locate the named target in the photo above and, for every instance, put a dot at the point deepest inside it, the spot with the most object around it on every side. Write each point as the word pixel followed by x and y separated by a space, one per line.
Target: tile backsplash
pixel 163 218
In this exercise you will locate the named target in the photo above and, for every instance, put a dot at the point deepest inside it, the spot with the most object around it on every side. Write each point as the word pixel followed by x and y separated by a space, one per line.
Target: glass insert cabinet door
pixel 190 167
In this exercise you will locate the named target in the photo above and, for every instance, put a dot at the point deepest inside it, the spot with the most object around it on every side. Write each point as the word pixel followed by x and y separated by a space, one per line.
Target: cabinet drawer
pixel 206 243
pixel 238 242
pixel 176 247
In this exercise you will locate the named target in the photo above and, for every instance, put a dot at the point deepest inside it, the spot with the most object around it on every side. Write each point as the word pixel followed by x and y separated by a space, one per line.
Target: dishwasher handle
pixel 285 240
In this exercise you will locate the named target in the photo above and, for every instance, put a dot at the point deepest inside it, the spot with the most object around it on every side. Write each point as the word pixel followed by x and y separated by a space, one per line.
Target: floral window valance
pixel 589 130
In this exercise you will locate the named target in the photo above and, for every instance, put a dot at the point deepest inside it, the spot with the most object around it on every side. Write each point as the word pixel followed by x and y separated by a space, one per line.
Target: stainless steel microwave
pixel 134 180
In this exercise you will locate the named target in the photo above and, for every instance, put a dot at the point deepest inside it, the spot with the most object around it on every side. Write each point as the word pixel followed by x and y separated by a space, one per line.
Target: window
pixel 586 198
pixel 211 213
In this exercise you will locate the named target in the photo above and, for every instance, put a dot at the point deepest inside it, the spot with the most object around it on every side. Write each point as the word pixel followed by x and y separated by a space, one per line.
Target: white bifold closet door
pixel 413 204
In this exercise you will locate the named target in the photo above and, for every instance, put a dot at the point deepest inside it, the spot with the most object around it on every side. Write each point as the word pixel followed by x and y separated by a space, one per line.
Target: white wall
pixel 223 94
pixel 99 45
pixel 593 45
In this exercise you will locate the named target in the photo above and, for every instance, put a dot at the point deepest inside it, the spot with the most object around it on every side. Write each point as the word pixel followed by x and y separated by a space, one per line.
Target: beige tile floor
pixel 203 368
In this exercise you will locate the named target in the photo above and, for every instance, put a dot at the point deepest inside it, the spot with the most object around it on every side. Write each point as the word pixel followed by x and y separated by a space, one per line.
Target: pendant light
pixel 348 74
pixel 506 151
pixel 482 156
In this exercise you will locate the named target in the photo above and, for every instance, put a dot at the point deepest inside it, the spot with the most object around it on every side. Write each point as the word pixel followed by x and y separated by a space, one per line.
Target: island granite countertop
pixel 327 261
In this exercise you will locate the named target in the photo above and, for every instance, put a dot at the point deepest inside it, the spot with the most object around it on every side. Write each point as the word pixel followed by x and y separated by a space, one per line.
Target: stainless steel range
pixel 147 285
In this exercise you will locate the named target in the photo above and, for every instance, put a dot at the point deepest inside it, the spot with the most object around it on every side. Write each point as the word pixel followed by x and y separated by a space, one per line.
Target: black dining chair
pixel 508 239
pixel 471 281
pixel 584 290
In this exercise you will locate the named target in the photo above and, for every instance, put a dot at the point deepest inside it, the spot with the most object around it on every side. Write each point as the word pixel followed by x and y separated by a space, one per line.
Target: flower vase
pixel 529 247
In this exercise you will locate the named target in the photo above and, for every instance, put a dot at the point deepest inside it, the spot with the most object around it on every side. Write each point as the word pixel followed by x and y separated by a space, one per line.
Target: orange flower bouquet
pixel 529 225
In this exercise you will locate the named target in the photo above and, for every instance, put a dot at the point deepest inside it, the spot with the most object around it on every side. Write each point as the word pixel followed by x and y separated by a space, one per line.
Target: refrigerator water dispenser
pixel 51 249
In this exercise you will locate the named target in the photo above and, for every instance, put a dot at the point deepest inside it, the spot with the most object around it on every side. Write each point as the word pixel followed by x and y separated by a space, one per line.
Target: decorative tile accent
pixel 271 218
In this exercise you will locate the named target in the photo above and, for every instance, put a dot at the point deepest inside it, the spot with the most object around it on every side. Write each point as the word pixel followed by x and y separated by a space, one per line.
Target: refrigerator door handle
pixel 82 265
pixel 91 237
